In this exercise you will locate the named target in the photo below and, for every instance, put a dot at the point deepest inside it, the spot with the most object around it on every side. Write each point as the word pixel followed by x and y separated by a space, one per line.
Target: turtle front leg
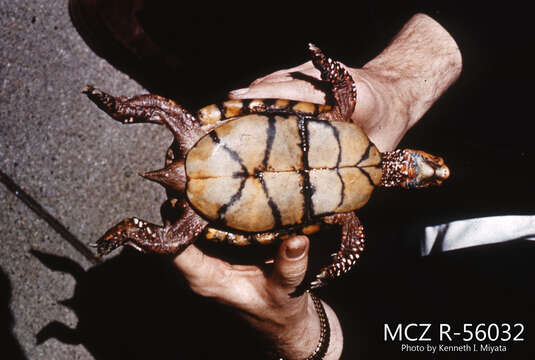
pixel 147 237
pixel 343 86
pixel 149 108
pixel 352 244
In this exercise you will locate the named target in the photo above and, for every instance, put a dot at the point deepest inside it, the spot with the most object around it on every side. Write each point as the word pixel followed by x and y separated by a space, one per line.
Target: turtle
pixel 257 170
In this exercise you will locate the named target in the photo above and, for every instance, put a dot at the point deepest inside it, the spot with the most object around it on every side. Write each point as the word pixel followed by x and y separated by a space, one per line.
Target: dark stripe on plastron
pixel 269 103
pixel 235 197
pixel 214 137
pixel 233 154
pixel 245 107
pixel 272 205
pixel 366 154
pixel 308 189
pixel 316 109
pixel 302 127
pixel 223 110
pixel 244 174
pixel 343 190
pixel 367 176
pixel 271 134
pixel 336 134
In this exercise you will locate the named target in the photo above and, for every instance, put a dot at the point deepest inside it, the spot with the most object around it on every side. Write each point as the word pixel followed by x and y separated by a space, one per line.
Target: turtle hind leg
pixel 147 237
pixel 149 108
pixel 351 246
pixel 342 84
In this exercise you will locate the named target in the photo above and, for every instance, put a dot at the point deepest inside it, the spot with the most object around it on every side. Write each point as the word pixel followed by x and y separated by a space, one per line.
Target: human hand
pixel 372 98
pixel 394 90
pixel 262 295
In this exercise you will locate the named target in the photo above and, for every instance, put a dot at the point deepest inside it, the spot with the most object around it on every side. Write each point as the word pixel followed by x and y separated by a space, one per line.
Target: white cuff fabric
pixel 480 231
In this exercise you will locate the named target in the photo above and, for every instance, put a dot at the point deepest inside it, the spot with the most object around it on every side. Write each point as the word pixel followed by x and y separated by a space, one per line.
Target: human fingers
pixel 285 74
pixel 292 90
pixel 212 277
pixel 257 87
pixel 290 264
pixel 200 270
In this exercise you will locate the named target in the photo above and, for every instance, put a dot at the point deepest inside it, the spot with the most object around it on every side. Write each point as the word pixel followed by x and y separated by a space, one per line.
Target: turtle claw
pixel 320 280
pixel 114 238
pixel 134 245
pixel 136 233
pixel 147 237
pixel 313 48
pixel 106 245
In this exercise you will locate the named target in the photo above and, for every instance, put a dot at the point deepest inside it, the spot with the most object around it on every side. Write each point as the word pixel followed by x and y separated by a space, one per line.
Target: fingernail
pixel 294 250
pixel 239 91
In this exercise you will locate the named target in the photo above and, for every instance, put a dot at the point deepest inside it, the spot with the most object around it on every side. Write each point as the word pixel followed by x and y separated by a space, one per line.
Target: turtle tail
pixel 172 176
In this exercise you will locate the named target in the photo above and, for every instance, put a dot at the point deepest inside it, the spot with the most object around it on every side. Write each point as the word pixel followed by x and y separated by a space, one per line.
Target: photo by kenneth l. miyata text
pixel 442 348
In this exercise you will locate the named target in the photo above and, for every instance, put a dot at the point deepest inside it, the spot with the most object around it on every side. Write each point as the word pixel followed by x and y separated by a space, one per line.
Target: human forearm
pixel 301 343
pixel 296 331
pixel 420 63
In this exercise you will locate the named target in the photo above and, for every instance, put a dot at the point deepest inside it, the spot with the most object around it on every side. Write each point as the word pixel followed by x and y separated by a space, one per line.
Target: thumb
pixel 291 263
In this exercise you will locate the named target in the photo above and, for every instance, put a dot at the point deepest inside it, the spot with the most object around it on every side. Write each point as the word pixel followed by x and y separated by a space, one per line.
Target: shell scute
pixel 201 194
pixel 250 211
pixel 283 188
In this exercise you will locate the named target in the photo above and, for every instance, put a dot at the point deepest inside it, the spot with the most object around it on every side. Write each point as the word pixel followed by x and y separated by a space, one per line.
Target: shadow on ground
pixel 137 307
pixel 10 346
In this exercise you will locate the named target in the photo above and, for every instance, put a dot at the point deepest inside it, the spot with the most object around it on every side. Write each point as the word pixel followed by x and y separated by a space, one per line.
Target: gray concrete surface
pixel 68 155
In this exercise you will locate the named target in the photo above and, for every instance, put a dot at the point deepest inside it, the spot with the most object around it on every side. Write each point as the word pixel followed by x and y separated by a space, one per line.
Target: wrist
pixel 316 333
pixel 300 334
pixel 381 111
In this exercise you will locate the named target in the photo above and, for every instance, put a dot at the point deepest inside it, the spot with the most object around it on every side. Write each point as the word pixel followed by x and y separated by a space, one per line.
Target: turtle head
pixel 413 169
